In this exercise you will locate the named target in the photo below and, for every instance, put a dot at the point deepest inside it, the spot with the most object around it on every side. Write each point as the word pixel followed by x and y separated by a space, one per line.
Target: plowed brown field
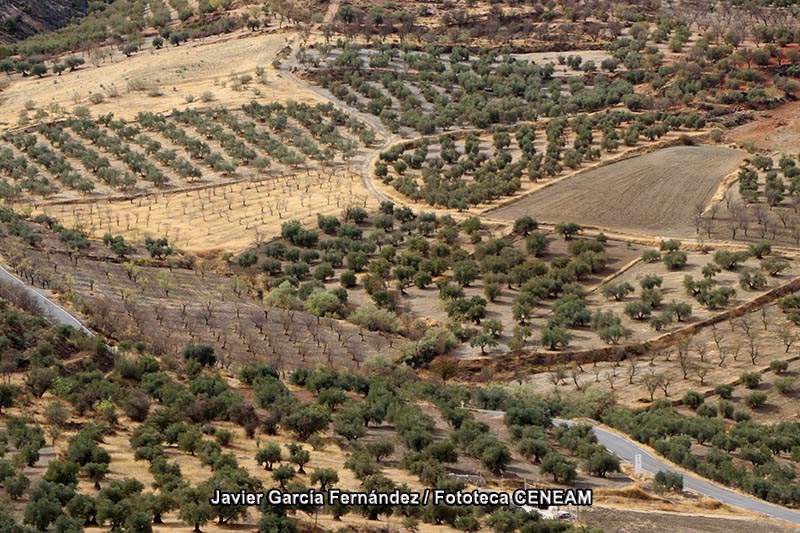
pixel 652 193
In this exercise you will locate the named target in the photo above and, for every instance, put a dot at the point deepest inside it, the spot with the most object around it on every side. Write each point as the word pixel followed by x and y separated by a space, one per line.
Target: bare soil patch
pixel 720 354
pixel 774 130
pixel 634 521
pixel 655 192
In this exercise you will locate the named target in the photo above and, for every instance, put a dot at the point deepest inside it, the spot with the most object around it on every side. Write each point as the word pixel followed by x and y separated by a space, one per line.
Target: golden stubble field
pixel 228 217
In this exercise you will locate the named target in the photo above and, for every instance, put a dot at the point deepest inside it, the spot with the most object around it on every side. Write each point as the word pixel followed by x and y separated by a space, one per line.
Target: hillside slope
pixel 22 18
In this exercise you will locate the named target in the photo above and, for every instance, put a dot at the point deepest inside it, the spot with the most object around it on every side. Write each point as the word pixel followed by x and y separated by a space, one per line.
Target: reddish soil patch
pixel 773 130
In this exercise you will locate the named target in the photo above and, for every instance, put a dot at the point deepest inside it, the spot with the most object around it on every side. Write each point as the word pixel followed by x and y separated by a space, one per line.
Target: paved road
pixel 627 449
pixel 288 68
pixel 52 311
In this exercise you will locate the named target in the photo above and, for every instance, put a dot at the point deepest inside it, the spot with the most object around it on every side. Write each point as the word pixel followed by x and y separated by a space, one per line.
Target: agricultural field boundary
pixel 510 362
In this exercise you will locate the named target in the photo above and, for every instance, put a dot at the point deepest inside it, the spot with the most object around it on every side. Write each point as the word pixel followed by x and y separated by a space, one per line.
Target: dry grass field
pixel 178 71
pixel 654 193
pixel 226 218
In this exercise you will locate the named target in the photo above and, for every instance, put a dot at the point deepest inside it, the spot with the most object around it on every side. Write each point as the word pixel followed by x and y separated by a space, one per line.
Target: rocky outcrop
pixel 22 18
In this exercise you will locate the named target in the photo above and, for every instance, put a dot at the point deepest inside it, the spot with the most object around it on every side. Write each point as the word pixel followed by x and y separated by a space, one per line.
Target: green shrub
pixel 706 410
pixel 725 408
pixel 724 391
pixel 693 399
pixel 668 481
pixel 779 366
pixel 202 353
pixel 755 399
pixel 785 385
pixel 651 256
pixel 751 380
pixel 741 416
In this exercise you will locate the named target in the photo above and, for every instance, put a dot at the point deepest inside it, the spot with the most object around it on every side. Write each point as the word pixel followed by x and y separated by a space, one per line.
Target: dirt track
pixel 653 193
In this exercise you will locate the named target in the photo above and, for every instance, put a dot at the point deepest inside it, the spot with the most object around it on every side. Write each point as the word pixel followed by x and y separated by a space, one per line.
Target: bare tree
pixel 610 378
pixel 574 373
pixel 746 326
pixel 684 362
pixel 557 376
pixel 652 382
pixel 787 335
pixel 716 336
pixel 683 345
pixel 631 370
pixel 752 344
pixel 701 370
pixel 666 380
pixel 208 311
pixel 701 350
pixel 707 225
pixel 697 212
pixel 722 355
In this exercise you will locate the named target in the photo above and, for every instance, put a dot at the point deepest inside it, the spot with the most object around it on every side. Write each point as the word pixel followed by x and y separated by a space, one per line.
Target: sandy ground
pixel 654 193
pixel 189 69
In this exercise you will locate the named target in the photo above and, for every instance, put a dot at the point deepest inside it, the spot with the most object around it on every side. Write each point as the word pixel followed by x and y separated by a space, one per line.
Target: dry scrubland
pixel 611 492
pixel 179 71
pixel 654 193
